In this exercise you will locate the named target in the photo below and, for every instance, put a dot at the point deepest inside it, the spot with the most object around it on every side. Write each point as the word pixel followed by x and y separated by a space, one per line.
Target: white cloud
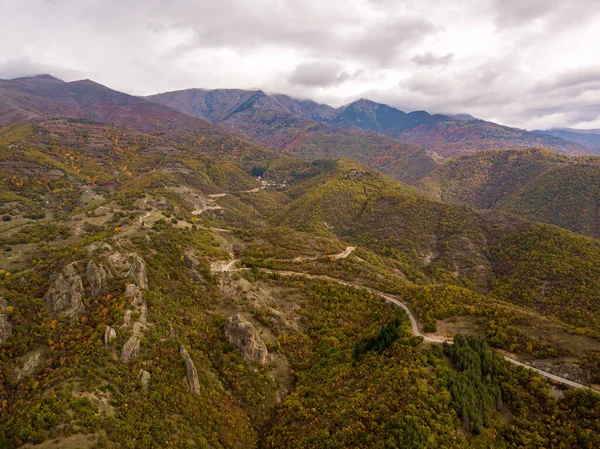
pixel 24 65
pixel 522 63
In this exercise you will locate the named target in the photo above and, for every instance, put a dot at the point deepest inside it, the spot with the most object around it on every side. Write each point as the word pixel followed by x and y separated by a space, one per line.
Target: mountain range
pixel 377 135
pixel 238 274
pixel 589 138
pixel 256 114
pixel 519 181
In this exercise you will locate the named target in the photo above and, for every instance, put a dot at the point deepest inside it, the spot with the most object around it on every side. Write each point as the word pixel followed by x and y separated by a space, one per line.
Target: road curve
pixel 415 329
pixel 225 267
pixel 147 213
pixel 413 322
pixel 344 254
pixel 143 218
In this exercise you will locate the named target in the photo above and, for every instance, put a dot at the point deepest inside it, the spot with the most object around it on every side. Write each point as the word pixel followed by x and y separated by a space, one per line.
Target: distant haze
pixel 531 64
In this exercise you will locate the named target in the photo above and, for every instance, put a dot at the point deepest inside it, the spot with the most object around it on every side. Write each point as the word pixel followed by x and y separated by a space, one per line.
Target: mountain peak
pixel 39 79
pixel 364 102
pixel 86 82
pixel 463 117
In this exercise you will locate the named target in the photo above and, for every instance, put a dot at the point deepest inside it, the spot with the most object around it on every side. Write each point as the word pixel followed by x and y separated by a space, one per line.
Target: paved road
pixel 413 322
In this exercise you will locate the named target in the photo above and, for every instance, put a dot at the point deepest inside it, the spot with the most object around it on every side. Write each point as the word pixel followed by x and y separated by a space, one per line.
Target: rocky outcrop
pixel 109 335
pixel 65 296
pixel 29 363
pixel 131 349
pixel 96 276
pixel 191 374
pixel 144 379
pixel 5 324
pixel 131 266
pixel 245 338
pixel 137 299
pixel 133 291
pixel 132 346
pixel 127 319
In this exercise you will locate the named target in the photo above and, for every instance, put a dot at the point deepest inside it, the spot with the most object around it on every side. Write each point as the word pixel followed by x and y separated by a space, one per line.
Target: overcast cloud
pixel 526 63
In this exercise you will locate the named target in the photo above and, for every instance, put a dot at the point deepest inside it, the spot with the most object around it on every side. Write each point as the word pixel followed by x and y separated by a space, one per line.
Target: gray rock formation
pixel 131 349
pixel 65 296
pixel 133 291
pixel 191 374
pixel 109 335
pixel 127 319
pixel 137 299
pixel 245 338
pixel 130 266
pixel 96 276
pixel 29 363
pixel 144 379
pixel 132 346
pixel 5 324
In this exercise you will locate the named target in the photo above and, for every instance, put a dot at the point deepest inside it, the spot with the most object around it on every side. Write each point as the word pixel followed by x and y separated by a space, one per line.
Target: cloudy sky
pixel 526 63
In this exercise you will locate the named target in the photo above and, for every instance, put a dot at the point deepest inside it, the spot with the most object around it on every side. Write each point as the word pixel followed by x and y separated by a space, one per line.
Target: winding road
pixel 343 255
pixel 415 329
pixel 413 321
pixel 147 213
pixel 143 218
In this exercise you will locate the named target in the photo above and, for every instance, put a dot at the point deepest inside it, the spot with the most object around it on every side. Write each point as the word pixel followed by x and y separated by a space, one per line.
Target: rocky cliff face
pixel 191 374
pixel 5 324
pixel 245 338
pixel 130 266
pixel 65 296
pixel 131 349
pixel 127 319
pixel 96 276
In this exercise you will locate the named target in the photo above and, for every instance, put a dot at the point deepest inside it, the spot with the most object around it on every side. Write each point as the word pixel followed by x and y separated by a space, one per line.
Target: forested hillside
pixel 534 184
pixel 178 286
